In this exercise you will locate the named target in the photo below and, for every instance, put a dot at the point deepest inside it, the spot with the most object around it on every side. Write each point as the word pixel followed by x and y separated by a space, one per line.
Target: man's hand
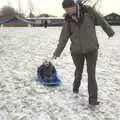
pixel 54 57
pixel 112 34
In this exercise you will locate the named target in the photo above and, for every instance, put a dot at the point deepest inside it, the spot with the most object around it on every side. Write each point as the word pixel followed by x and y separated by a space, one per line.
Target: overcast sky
pixel 54 7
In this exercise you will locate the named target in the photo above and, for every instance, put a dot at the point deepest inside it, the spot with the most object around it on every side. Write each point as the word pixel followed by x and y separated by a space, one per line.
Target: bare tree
pixel 19 6
pixel 31 8
pixel 8 11
pixel 97 4
pixel 93 3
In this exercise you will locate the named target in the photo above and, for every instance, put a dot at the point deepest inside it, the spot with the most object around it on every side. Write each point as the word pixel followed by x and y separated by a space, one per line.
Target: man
pixel 80 28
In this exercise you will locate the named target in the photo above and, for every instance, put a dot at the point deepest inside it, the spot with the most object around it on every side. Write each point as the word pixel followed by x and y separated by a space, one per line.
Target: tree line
pixel 8 12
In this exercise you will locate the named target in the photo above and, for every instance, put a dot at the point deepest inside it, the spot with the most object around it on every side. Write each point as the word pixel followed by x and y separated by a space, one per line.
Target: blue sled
pixel 54 82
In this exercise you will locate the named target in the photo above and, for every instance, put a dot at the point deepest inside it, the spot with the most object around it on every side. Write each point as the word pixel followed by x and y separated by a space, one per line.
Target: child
pixel 46 71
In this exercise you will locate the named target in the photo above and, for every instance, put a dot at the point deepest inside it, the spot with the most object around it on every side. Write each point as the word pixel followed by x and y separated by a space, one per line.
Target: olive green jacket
pixel 83 38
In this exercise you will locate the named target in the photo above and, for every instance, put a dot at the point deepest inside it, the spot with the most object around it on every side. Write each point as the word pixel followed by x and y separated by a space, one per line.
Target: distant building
pixel 15 21
pixel 113 19
pixel 51 21
pixel 2 21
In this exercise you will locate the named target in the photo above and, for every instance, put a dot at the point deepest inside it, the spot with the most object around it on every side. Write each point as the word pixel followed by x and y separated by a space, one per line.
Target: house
pixel 113 19
pixel 2 21
pixel 51 21
pixel 15 21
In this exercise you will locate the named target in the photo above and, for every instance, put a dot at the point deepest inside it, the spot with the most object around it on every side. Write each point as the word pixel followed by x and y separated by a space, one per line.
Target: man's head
pixel 69 6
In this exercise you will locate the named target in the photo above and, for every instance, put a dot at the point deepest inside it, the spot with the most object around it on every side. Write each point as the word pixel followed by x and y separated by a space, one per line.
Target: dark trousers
pixel 91 59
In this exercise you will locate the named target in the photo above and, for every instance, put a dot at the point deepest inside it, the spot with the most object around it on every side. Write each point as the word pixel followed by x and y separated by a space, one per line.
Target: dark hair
pixel 68 3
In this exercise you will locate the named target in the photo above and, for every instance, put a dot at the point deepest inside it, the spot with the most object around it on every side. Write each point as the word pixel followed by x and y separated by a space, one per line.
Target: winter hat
pixel 68 3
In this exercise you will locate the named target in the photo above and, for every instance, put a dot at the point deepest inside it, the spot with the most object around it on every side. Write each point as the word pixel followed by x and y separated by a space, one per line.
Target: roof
pixel 112 14
pixel 6 20
pixel 48 18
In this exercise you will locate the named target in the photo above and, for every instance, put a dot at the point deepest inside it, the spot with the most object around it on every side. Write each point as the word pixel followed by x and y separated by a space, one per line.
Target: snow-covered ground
pixel 22 98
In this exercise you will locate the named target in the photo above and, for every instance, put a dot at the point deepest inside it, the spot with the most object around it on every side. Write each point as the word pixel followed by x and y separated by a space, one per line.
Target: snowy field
pixel 22 98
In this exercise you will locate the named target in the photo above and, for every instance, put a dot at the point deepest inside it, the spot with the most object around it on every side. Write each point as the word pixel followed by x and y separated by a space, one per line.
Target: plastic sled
pixel 53 82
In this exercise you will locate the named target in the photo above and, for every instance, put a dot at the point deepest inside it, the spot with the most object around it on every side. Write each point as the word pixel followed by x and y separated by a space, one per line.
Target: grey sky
pixel 54 7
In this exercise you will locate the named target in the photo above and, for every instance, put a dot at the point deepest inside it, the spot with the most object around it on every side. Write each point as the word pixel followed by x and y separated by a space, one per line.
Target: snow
pixel 22 98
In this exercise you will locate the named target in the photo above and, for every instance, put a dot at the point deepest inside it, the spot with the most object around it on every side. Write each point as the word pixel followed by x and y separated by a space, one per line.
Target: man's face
pixel 71 10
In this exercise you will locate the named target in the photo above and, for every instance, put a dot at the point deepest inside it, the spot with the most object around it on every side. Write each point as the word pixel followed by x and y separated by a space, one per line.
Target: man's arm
pixel 102 22
pixel 64 36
